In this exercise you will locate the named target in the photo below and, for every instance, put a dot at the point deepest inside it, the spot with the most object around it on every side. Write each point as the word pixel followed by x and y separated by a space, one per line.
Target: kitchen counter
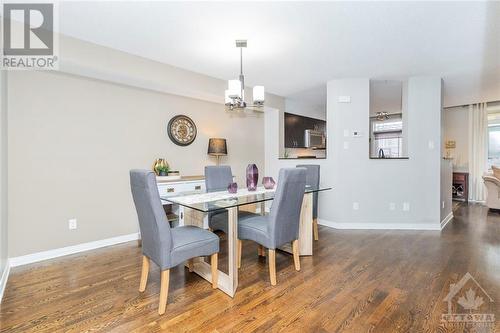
pixel 301 158
pixel 389 158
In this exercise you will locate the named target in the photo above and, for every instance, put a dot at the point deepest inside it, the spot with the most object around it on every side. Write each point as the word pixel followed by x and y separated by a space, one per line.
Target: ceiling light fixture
pixel 234 97
pixel 382 115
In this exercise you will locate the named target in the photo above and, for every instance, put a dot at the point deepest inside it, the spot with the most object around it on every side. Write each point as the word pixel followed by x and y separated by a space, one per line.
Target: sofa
pixel 492 184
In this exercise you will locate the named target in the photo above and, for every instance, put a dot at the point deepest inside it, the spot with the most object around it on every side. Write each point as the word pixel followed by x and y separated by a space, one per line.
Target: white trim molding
pixel 447 219
pixel 3 280
pixel 64 251
pixel 109 75
pixel 380 226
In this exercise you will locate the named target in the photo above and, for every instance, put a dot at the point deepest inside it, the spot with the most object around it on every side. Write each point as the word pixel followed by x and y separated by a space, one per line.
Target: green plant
pixel 162 169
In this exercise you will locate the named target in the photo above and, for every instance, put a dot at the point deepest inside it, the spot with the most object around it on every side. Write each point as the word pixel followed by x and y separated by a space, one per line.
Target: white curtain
pixel 478 150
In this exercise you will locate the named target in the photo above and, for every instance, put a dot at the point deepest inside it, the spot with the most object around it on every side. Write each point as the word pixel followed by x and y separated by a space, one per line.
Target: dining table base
pixel 228 282
pixel 305 228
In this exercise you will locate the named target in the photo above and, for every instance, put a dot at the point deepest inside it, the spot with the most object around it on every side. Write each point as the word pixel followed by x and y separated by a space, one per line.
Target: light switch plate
pixel 72 224
pixel 346 133
pixel 346 144
pixel 344 99
pixel 431 144
pixel 406 206
pixel 355 205
pixel 392 206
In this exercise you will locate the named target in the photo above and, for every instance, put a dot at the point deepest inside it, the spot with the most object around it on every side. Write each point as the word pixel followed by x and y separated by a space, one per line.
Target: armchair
pixel 492 184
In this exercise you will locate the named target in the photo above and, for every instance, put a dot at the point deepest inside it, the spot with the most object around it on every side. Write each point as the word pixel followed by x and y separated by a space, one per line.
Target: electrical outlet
pixel 355 205
pixel 431 145
pixel 392 206
pixel 72 224
pixel 406 206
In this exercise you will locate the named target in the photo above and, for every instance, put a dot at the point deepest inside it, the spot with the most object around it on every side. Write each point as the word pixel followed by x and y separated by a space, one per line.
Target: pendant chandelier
pixel 234 97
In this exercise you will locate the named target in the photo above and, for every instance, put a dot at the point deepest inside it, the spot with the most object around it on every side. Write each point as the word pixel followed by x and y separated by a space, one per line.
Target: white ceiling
pixel 296 46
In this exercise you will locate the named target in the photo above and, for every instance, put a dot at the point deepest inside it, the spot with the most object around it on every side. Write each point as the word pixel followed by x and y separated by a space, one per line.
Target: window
pixel 387 136
pixel 493 144
pixel 387 130
pixel 493 137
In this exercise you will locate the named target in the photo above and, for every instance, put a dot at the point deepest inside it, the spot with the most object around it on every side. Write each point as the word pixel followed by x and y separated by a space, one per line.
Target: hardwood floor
pixel 357 281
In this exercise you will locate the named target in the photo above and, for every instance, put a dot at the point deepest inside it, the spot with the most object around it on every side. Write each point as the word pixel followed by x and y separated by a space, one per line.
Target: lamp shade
pixel 234 87
pixel 258 94
pixel 217 147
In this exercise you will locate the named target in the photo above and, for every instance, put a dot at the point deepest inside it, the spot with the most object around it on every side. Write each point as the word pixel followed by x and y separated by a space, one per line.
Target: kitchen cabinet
pixel 295 127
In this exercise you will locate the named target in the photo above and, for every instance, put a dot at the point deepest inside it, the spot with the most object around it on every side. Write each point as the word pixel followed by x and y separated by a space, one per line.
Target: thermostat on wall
pixel 357 134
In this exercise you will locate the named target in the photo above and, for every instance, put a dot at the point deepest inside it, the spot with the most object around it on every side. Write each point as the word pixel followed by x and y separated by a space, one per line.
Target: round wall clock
pixel 181 130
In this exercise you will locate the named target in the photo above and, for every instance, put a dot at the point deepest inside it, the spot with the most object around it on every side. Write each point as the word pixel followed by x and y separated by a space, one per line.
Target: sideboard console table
pixel 460 186
pixel 177 214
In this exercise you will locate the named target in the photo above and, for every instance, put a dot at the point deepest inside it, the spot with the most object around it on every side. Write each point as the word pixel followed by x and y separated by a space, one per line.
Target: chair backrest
pixel 153 223
pixel 217 178
pixel 284 217
pixel 312 179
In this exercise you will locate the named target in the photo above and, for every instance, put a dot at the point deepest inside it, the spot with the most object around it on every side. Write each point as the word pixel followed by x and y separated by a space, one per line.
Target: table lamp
pixel 217 147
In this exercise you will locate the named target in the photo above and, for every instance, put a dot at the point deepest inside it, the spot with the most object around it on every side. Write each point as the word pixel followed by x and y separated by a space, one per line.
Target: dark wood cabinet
pixel 460 186
pixel 295 127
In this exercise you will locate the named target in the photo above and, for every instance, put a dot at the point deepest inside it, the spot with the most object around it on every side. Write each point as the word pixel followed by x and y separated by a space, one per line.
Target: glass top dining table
pixel 204 201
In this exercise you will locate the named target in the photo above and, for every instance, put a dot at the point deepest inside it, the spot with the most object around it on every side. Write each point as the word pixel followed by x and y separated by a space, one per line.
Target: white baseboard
pixel 482 202
pixel 3 280
pixel 447 219
pixel 64 251
pixel 379 226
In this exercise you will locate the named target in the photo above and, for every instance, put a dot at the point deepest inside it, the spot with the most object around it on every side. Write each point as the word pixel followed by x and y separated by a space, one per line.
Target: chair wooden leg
pixel 144 273
pixel 272 266
pixel 261 251
pixel 296 257
pixel 191 265
pixel 240 246
pixel 215 273
pixel 165 275
pixel 315 229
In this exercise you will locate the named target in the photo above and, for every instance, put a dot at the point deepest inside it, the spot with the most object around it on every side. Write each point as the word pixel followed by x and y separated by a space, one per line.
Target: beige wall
pixel 73 141
pixel 3 172
pixel 74 135
pixel 456 127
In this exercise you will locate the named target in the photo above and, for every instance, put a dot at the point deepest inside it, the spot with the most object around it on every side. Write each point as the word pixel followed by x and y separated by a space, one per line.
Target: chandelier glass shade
pixel 234 96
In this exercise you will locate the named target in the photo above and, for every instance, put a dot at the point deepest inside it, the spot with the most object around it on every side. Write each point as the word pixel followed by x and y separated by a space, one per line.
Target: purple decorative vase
pixel 232 188
pixel 268 183
pixel 252 177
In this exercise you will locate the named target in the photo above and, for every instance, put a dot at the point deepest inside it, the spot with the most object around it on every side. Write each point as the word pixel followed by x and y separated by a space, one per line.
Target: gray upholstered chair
pixel 217 178
pixel 167 247
pixel 282 224
pixel 312 179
